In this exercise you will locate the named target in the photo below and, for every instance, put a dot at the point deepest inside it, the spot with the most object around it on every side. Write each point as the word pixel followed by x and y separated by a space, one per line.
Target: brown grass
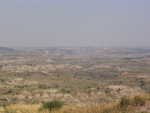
pixel 131 107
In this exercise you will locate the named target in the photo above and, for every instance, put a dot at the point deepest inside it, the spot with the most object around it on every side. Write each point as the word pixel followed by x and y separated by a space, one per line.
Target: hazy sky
pixel 74 22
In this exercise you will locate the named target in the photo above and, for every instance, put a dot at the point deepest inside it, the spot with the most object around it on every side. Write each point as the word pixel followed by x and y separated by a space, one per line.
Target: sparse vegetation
pixel 80 79
pixel 125 105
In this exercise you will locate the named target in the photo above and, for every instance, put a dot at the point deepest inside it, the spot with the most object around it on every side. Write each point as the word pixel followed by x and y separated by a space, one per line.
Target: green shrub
pixel 124 102
pixel 53 105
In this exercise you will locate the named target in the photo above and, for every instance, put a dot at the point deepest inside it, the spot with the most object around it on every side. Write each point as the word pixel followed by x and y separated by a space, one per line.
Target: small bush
pixel 66 90
pixel 138 101
pixel 124 102
pixel 53 105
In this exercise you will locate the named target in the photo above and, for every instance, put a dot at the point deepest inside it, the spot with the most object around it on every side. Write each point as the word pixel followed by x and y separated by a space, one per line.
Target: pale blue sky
pixel 74 22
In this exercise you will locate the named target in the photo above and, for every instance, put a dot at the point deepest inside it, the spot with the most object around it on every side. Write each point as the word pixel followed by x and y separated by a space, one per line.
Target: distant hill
pixel 6 49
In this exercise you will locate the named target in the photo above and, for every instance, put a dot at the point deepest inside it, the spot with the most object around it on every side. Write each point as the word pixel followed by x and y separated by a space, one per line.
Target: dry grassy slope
pixel 91 108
